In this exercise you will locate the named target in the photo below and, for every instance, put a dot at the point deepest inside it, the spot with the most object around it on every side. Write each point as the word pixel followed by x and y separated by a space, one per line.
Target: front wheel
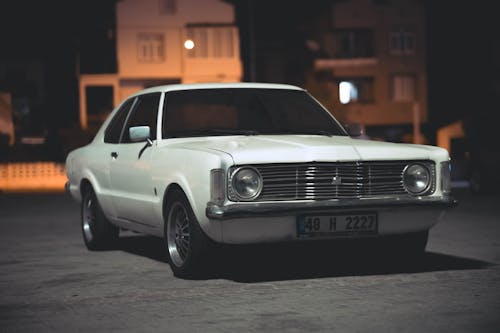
pixel 98 233
pixel 188 248
pixel 408 245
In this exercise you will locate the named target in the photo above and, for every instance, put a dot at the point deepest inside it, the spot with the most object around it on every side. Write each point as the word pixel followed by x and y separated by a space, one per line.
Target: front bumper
pixel 249 223
pixel 267 209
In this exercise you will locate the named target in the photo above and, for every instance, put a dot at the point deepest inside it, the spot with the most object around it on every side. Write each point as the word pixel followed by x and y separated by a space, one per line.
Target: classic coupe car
pixel 245 163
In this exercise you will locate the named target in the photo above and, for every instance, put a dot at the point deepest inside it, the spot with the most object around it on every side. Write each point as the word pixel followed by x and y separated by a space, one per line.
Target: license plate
pixel 338 225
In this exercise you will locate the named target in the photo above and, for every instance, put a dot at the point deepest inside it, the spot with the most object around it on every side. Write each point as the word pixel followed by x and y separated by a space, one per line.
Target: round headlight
pixel 247 183
pixel 416 178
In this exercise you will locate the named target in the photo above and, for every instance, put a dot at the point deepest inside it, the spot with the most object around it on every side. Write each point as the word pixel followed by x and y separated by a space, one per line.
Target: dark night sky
pixel 46 29
pixel 52 33
pixel 463 53
pixel 461 49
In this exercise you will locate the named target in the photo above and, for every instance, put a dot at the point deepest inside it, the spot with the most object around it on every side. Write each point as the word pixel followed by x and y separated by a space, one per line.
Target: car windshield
pixel 245 111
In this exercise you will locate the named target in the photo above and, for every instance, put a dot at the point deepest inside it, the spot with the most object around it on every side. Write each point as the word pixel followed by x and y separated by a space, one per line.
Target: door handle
pixel 114 155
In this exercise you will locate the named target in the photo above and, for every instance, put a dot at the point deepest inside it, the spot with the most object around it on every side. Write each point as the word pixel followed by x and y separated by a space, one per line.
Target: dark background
pixel 58 35
pixel 67 37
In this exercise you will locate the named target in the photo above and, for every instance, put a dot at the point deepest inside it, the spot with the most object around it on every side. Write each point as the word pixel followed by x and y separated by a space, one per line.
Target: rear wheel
pixel 98 233
pixel 188 248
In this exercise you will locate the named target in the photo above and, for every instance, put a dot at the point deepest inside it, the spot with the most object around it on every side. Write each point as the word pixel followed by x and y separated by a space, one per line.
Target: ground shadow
pixel 145 246
pixel 271 262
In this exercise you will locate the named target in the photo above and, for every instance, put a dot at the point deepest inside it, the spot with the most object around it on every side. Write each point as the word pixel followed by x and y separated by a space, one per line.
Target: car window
pixel 204 112
pixel 144 113
pixel 114 129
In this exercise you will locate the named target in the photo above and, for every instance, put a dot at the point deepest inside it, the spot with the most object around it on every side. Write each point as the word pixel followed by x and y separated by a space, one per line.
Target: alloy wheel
pixel 89 218
pixel 178 234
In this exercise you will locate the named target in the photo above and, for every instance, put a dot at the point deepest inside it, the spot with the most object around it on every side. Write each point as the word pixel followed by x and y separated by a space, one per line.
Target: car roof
pixel 195 86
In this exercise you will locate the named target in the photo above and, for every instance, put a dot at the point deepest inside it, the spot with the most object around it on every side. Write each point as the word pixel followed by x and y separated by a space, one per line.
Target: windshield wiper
pixel 320 132
pixel 230 131
pixel 212 132
pixel 310 132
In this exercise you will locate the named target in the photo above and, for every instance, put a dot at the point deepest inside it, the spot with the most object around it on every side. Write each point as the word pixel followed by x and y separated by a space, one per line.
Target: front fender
pixel 211 228
pixel 190 170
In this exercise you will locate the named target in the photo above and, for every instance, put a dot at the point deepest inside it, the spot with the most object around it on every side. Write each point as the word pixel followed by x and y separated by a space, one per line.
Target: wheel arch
pixel 181 184
pixel 170 188
pixel 88 178
pixel 212 229
pixel 85 185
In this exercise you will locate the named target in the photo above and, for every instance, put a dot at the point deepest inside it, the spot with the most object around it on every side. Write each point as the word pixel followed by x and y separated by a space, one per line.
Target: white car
pixel 245 163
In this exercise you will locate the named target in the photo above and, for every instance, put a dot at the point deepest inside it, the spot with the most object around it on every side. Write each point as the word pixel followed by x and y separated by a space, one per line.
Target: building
pixel 364 59
pixel 375 53
pixel 166 41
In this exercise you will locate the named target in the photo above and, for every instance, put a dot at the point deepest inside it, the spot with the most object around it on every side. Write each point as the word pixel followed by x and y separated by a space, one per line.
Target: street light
pixel 189 44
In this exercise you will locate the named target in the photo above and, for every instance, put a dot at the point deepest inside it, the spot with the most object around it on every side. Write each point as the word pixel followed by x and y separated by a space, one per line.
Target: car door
pixel 104 155
pixel 130 170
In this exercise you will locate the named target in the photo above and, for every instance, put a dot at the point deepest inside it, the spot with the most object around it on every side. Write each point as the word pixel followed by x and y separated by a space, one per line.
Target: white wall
pixel 128 62
pixel 135 17
pixel 145 13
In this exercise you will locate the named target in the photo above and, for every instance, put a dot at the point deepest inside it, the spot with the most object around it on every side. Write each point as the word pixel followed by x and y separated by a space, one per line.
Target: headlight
pixel 246 184
pixel 416 178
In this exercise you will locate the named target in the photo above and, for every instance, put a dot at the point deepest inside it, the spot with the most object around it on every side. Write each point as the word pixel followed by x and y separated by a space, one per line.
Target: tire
pixel 415 244
pixel 188 248
pixel 475 182
pixel 98 233
pixel 407 246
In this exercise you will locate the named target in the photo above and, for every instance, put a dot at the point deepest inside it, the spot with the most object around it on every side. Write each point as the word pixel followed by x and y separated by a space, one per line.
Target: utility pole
pixel 251 40
pixel 417 137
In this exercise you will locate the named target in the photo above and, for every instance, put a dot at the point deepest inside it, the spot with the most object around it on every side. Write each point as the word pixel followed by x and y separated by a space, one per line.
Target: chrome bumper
pixel 256 209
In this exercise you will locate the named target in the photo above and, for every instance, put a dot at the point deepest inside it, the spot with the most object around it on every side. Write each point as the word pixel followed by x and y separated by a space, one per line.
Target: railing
pixel 34 176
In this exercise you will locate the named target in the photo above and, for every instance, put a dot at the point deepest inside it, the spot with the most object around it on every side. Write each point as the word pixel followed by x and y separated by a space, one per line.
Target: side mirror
pixel 139 133
pixel 354 129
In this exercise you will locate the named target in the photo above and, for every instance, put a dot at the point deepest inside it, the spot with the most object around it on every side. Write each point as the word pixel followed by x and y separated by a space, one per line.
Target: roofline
pixel 234 85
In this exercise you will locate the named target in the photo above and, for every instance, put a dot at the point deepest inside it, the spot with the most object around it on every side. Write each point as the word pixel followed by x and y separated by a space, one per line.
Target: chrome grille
pixel 340 180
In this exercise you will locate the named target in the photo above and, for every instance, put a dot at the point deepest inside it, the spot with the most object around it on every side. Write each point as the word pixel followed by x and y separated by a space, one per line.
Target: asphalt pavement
pixel 50 282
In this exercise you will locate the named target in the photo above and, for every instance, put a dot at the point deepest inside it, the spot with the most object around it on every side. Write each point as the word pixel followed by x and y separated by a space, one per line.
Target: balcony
pixel 320 64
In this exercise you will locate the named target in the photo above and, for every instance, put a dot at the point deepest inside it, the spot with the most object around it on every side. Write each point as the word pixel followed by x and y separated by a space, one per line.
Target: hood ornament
pixel 336 180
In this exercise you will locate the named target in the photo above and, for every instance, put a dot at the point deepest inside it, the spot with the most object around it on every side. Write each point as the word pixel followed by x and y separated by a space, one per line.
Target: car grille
pixel 341 180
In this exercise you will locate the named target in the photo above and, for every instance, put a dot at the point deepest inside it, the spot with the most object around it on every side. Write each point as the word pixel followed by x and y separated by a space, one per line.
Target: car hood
pixel 308 148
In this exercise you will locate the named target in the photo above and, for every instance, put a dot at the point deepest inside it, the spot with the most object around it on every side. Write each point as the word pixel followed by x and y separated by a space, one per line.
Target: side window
pixel 114 129
pixel 145 113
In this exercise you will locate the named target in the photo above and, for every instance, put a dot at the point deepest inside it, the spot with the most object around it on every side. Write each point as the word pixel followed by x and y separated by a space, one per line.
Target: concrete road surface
pixel 49 282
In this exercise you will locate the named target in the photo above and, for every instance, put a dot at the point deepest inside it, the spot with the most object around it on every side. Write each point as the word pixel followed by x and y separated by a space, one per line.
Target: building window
pixel 354 44
pixel 211 42
pixel 223 42
pixel 199 36
pixel 403 88
pixel 150 47
pixel 356 90
pixel 168 7
pixel 402 41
